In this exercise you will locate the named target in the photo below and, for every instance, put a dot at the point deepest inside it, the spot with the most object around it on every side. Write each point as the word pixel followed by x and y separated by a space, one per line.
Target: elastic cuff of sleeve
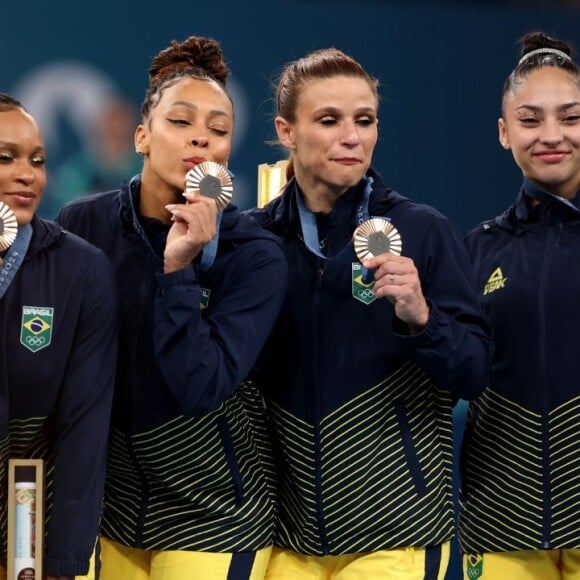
pixel 184 276
pixel 401 329
pixel 54 567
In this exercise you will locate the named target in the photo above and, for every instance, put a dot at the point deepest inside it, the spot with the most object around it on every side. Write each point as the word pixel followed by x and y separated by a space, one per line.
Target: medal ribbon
pixel 14 257
pixel 539 193
pixel 308 219
pixel 133 184
pixel 310 230
pixel 12 261
pixel 209 251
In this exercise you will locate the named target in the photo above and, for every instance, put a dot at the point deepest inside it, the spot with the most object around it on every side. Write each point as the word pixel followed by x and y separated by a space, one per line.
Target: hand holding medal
pixel 195 227
pixel 378 245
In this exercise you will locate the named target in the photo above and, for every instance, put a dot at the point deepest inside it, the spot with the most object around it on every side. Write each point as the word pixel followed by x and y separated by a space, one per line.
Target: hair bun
pixel 194 52
pixel 538 40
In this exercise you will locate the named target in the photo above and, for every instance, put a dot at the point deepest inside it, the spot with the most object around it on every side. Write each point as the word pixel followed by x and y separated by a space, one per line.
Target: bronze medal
pixel 210 179
pixel 376 236
pixel 8 227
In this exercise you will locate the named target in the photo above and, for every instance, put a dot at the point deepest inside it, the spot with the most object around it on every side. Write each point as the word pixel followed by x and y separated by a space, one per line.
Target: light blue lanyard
pixel 209 251
pixel 538 192
pixel 14 257
pixel 310 230
pixel 564 201
pixel 308 219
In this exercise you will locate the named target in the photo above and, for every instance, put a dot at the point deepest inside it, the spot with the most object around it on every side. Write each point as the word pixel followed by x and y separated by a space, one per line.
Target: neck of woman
pixel 154 197
pixel 321 199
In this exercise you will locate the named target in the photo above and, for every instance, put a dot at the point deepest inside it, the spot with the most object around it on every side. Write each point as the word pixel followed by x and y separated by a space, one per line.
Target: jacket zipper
pixel 546 499
pixel 317 412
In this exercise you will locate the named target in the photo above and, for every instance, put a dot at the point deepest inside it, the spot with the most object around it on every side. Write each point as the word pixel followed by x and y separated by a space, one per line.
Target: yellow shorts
pixel 523 565
pixel 399 564
pixel 89 576
pixel 119 562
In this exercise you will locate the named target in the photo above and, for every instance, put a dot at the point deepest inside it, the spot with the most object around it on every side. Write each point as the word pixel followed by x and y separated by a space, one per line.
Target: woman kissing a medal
pixel 188 491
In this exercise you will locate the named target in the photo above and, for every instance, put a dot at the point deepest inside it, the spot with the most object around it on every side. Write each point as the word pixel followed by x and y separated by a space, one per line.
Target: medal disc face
pixel 374 237
pixel 210 179
pixel 8 227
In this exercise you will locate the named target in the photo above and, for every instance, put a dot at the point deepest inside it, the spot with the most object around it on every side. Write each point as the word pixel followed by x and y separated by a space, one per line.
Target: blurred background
pixel 81 69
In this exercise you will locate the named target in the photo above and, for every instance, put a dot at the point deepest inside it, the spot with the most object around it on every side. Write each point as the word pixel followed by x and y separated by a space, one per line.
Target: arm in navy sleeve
pixel 204 357
pixel 82 426
pixel 455 346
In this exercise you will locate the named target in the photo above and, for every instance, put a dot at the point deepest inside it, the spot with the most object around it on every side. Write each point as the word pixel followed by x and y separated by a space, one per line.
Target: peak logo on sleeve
pixel 495 282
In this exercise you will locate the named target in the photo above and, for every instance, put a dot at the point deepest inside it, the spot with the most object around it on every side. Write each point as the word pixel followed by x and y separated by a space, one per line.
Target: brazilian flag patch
pixel 36 330
pixel 360 290
pixel 474 565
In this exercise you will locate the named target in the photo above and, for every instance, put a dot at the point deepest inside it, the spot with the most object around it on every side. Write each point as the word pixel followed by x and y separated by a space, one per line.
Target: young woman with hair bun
pixel 520 496
pixel 188 491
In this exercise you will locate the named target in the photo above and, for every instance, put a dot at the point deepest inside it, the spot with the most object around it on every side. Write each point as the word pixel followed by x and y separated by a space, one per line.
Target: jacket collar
pixel 526 211
pixel 44 235
pixel 284 210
